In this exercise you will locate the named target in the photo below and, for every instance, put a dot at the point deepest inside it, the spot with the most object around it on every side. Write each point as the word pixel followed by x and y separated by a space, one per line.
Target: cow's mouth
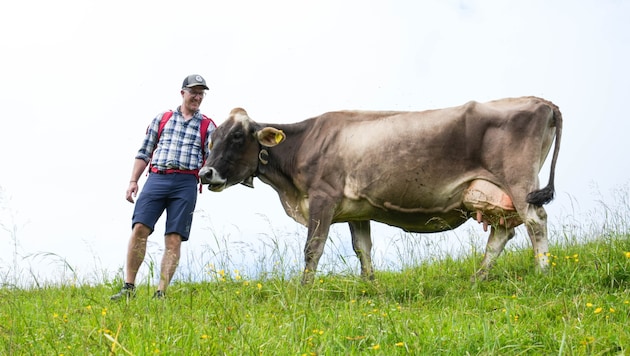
pixel 209 175
pixel 216 187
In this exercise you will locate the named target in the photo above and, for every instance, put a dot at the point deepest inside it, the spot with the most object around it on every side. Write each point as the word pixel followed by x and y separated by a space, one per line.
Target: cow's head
pixel 236 149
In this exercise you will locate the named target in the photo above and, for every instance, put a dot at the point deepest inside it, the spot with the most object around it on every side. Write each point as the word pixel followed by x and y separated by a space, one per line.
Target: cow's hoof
pixel 368 277
pixel 479 276
pixel 308 278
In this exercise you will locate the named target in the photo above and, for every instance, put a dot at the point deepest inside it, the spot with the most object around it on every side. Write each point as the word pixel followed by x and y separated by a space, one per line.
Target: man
pixel 175 156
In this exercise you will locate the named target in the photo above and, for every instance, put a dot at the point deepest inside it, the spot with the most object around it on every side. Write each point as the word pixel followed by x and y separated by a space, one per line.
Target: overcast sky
pixel 81 80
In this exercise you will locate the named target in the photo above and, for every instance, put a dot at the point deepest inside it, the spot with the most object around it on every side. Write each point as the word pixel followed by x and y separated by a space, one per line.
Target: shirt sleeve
pixel 150 140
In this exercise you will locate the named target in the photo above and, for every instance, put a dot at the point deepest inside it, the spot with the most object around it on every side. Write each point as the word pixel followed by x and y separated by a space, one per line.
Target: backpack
pixel 203 128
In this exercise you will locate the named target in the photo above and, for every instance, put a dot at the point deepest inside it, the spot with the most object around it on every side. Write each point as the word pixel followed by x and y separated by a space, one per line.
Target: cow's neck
pixel 276 167
pixel 281 158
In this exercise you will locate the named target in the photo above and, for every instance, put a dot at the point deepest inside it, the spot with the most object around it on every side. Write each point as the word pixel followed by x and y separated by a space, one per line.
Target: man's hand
pixel 132 191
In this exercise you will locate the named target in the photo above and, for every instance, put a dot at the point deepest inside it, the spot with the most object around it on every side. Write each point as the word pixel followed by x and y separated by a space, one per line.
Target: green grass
pixel 580 307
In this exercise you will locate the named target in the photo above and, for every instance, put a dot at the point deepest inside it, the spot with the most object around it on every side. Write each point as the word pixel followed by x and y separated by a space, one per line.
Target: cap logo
pixel 199 78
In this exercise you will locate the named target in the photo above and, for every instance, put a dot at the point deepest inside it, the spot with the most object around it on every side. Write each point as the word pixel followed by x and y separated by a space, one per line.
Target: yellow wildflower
pixel 598 310
pixel 587 340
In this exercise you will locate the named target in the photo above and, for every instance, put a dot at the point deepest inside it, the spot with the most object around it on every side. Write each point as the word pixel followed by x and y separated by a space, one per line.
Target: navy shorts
pixel 176 193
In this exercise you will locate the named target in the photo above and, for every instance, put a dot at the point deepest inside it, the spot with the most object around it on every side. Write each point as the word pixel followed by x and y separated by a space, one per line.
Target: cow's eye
pixel 237 136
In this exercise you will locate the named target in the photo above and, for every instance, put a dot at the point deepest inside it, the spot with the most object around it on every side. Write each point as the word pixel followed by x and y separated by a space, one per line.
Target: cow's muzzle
pixel 211 177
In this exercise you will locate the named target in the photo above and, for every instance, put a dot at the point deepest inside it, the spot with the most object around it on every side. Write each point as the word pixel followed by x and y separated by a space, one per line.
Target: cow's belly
pixel 413 221
pixel 398 195
pixel 418 210
pixel 437 209
pixel 422 222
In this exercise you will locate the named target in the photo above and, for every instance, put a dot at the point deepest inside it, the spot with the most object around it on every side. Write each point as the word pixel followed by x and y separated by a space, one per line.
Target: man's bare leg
pixel 170 260
pixel 135 255
pixel 136 251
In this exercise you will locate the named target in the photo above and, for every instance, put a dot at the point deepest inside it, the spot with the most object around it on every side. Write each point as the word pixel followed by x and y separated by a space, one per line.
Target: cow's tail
pixel 546 194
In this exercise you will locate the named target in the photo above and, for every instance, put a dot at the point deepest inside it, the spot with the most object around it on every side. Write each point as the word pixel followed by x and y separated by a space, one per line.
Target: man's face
pixel 193 97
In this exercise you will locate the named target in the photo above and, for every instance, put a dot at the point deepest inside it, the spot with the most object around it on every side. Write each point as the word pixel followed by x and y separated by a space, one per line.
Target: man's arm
pixel 139 165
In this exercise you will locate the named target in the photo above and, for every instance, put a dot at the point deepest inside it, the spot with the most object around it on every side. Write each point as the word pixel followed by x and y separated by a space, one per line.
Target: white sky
pixel 81 80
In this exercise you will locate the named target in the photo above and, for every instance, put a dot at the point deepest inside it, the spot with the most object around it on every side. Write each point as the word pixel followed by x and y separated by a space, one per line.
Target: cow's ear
pixel 270 136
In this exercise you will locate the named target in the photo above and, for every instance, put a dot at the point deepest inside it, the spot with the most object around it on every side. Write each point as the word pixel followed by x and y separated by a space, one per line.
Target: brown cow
pixel 423 171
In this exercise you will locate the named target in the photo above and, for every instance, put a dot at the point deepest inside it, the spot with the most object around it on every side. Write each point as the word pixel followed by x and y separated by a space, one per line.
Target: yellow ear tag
pixel 278 137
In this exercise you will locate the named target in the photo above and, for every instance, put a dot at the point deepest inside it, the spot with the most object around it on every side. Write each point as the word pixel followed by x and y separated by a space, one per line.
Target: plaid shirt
pixel 179 146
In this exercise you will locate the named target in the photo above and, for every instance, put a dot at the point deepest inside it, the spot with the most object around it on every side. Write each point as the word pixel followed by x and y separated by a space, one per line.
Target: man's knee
pixel 173 240
pixel 140 230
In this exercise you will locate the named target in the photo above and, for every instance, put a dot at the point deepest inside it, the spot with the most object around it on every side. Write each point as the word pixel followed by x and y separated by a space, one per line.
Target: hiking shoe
pixel 126 292
pixel 158 294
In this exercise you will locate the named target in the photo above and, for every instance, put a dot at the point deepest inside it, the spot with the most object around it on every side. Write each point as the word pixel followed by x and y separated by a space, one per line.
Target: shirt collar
pixel 196 115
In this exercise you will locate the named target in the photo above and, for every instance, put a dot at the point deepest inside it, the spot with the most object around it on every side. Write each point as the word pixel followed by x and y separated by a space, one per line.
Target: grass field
pixel 580 307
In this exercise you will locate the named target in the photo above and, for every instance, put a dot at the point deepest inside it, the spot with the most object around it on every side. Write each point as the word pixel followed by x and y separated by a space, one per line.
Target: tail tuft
pixel 542 196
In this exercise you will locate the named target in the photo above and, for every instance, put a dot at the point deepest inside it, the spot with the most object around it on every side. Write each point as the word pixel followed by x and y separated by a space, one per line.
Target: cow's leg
pixel 318 226
pixel 535 219
pixel 536 223
pixel 499 236
pixel 362 245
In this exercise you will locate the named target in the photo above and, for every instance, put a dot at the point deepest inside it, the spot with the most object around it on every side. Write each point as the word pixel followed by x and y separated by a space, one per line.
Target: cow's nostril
pixel 205 173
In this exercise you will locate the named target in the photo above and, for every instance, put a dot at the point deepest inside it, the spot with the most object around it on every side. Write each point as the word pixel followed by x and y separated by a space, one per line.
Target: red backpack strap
pixel 203 130
pixel 165 117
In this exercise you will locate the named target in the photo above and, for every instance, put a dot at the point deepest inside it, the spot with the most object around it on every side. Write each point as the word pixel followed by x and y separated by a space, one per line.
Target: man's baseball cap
pixel 194 80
